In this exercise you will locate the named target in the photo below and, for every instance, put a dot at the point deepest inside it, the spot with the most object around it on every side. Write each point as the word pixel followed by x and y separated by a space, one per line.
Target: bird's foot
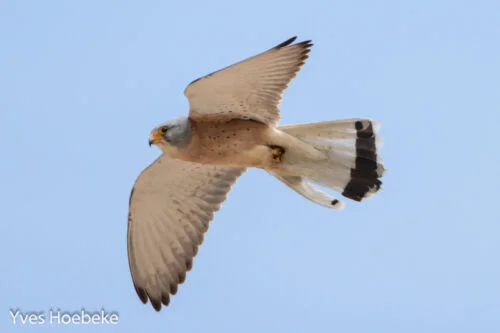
pixel 277 153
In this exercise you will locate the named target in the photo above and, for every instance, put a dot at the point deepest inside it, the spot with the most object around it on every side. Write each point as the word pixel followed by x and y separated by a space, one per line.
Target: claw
pixel 277 153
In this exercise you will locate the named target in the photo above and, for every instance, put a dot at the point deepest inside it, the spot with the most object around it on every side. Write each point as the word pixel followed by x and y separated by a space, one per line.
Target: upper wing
pixel 171 205
pixel 249 89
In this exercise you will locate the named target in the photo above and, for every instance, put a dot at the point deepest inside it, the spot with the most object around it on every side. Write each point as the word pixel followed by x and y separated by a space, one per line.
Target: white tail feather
pixel 305 188
pixel 352 166
pixel 331 130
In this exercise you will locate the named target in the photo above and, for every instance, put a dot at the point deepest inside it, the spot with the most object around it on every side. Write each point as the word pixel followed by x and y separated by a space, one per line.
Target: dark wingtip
pixel 165 299
pixel 143 296
pixel 286 43
pixel 306 44
pixel 189 264
pixel 173 288
pixel 156 304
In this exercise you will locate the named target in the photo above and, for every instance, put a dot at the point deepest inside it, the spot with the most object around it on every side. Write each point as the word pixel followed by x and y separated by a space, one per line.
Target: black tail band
pixel 364 177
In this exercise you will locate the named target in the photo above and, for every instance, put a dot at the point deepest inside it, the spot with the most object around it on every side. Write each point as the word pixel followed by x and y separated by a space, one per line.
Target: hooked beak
pixel 154 139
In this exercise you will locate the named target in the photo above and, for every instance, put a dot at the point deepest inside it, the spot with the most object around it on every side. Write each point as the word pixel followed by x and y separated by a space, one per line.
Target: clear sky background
pixel 82 83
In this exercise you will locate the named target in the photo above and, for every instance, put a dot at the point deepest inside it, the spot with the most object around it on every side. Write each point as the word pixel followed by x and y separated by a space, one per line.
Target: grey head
pixel 176 133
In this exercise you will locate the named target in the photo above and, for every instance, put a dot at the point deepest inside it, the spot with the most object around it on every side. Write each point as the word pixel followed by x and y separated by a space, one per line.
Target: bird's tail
pixel 351 164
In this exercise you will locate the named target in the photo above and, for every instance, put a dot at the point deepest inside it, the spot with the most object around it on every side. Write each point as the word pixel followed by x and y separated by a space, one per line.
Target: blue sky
pixel 83 83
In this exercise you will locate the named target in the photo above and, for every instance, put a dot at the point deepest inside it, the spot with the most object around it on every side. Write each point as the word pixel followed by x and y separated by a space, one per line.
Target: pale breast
pixel 215 141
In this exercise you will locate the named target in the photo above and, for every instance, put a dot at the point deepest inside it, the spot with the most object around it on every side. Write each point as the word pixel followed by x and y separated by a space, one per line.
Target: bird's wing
pixel 171 205
pixel 249 89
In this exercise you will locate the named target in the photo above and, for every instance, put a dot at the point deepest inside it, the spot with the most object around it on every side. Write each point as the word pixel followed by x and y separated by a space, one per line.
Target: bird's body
pixel 231 126
pixel 236 142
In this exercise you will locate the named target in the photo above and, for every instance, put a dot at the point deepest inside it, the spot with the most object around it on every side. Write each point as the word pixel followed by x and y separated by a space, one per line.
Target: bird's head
pixel 174 134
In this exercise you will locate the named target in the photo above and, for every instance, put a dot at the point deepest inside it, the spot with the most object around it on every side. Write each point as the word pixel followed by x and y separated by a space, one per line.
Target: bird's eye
pixel 163 130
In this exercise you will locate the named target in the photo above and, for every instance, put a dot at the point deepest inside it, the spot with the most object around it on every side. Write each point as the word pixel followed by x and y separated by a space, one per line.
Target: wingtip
pixel 306 43
pixel 156 305
pixel 141 292
pixel 286 43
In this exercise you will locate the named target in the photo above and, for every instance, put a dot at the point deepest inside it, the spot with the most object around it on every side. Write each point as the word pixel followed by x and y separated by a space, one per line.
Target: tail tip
pixel 359 189
pixel 337 204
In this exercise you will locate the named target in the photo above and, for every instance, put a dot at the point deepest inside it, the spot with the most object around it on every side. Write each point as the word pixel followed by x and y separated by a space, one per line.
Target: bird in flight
pixel 231 126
